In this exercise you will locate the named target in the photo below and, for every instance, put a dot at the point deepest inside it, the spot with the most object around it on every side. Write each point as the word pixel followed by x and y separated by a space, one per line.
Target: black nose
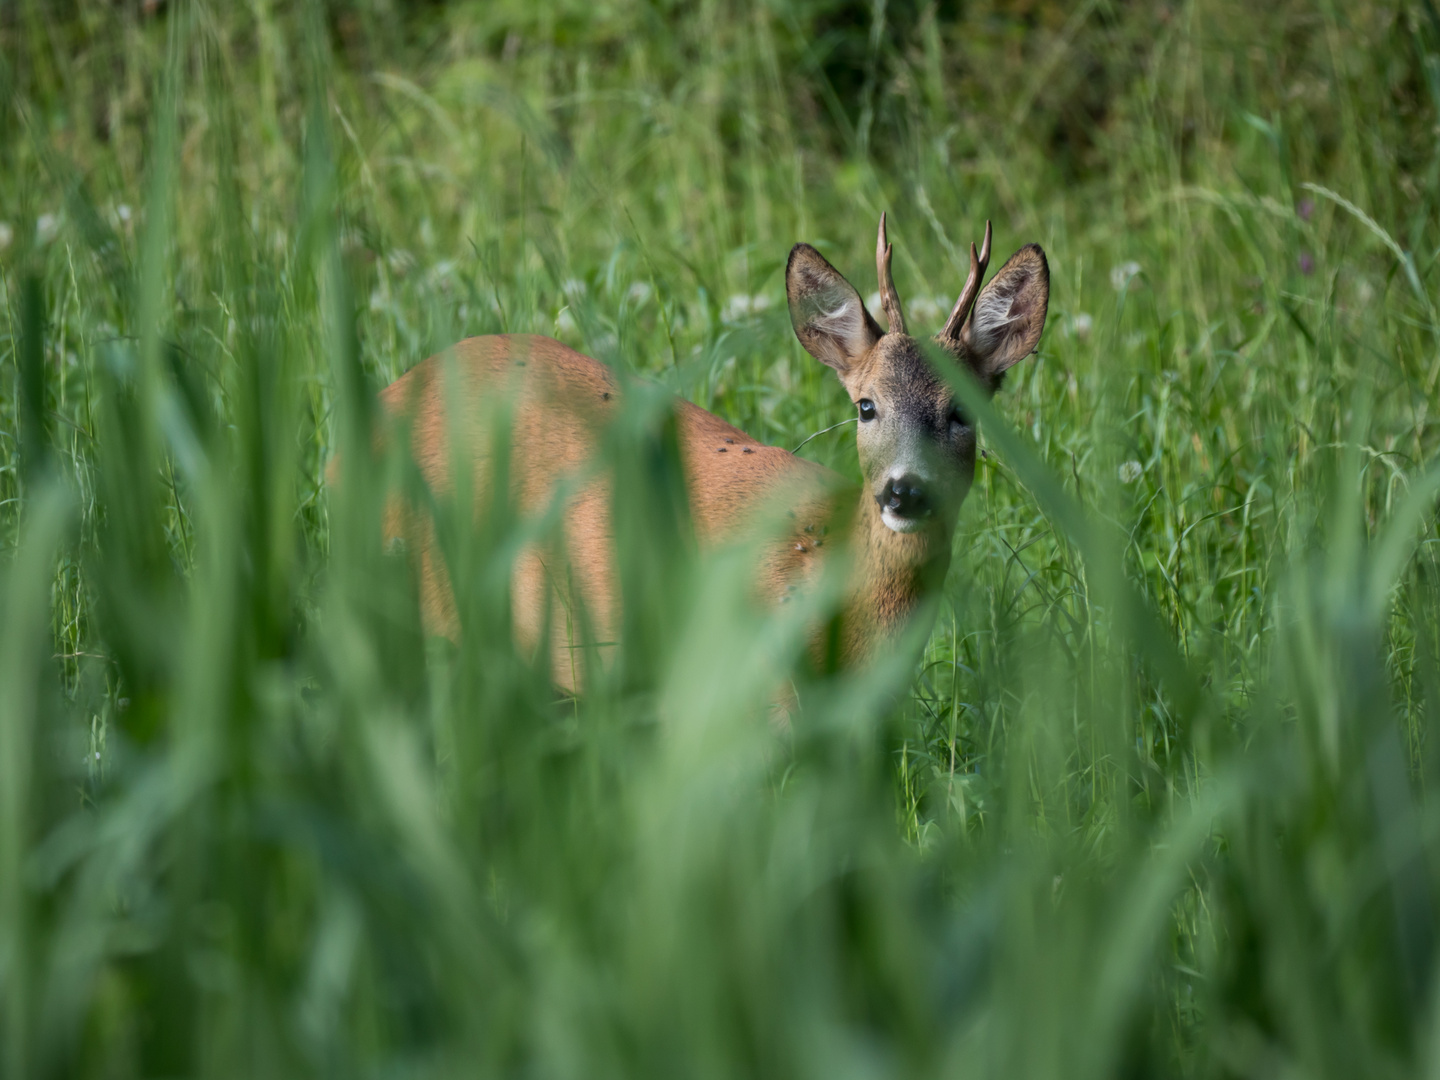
pixel 904 496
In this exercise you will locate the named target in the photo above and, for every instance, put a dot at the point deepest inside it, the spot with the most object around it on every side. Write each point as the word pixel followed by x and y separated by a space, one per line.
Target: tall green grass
pixel 1154 798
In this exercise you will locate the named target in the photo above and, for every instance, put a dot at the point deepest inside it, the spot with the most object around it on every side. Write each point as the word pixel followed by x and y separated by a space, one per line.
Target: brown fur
pixel 560 401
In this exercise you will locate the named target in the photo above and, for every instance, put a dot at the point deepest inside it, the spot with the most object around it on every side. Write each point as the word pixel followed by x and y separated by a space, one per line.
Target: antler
pixel 971 290
pixel 889 299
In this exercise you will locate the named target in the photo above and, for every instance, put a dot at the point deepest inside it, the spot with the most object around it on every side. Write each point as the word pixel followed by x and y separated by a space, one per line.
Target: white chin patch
pixel 895 523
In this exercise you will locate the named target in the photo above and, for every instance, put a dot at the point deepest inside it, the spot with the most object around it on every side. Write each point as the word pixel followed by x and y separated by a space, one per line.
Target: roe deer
pixel 916 449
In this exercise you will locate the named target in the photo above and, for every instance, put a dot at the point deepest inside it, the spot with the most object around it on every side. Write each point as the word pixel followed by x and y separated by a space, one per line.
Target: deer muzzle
pixel 904 502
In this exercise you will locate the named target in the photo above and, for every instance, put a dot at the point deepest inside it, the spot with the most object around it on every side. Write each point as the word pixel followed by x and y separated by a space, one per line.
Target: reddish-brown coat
pixel 560 401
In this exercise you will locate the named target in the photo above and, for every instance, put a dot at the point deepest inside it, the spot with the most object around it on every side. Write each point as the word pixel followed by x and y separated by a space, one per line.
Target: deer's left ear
pixel 1009 314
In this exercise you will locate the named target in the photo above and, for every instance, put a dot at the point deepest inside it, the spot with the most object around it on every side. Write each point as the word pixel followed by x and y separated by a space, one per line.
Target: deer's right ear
pixel 828 315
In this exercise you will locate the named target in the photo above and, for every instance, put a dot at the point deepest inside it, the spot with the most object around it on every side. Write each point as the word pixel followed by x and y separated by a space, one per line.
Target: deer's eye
pixel 867 409
pixel 958 419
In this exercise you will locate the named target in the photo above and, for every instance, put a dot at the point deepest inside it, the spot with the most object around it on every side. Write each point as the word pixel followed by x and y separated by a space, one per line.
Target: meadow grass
pixel 1151 799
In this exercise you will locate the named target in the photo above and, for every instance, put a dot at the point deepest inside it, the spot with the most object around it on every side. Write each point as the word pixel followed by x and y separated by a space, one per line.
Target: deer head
pixel 917 446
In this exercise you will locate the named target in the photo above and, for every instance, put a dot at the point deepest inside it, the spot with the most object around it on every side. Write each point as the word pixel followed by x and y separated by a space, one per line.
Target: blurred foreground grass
pixel 1158 797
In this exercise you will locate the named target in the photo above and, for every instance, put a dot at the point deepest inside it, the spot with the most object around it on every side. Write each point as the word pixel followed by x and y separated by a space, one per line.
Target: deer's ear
pixel 1009 314
pixel 828 315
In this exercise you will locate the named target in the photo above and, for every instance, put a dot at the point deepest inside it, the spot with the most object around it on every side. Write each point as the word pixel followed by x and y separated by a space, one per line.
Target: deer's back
pixel 557 403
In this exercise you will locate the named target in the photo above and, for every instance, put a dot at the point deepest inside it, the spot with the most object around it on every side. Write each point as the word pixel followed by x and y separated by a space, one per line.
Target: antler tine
pixel 971 290
pixel 889 298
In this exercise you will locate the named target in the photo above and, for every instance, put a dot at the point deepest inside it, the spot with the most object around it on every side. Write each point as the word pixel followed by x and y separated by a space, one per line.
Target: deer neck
pixel 890 576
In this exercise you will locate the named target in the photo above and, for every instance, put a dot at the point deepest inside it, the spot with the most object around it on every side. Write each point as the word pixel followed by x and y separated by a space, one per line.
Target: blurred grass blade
pixel 1396 543
pixel 34 407
pixel 1101 547
pixel 24 775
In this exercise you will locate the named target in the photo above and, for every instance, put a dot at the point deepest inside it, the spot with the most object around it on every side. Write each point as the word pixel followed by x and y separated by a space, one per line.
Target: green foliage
pixel 1155 799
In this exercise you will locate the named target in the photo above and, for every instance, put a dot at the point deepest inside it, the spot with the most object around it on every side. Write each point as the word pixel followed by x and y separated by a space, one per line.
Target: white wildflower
pixel 573 287
pixel 400 262
pixel 564 321
pixel 736 309
pixel 7 234
pixel 1081 325
pixel 740 307
pixel 638 292
pixel 47 227
pixel 872 302
pixel 1121 276
pixel 1130 472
